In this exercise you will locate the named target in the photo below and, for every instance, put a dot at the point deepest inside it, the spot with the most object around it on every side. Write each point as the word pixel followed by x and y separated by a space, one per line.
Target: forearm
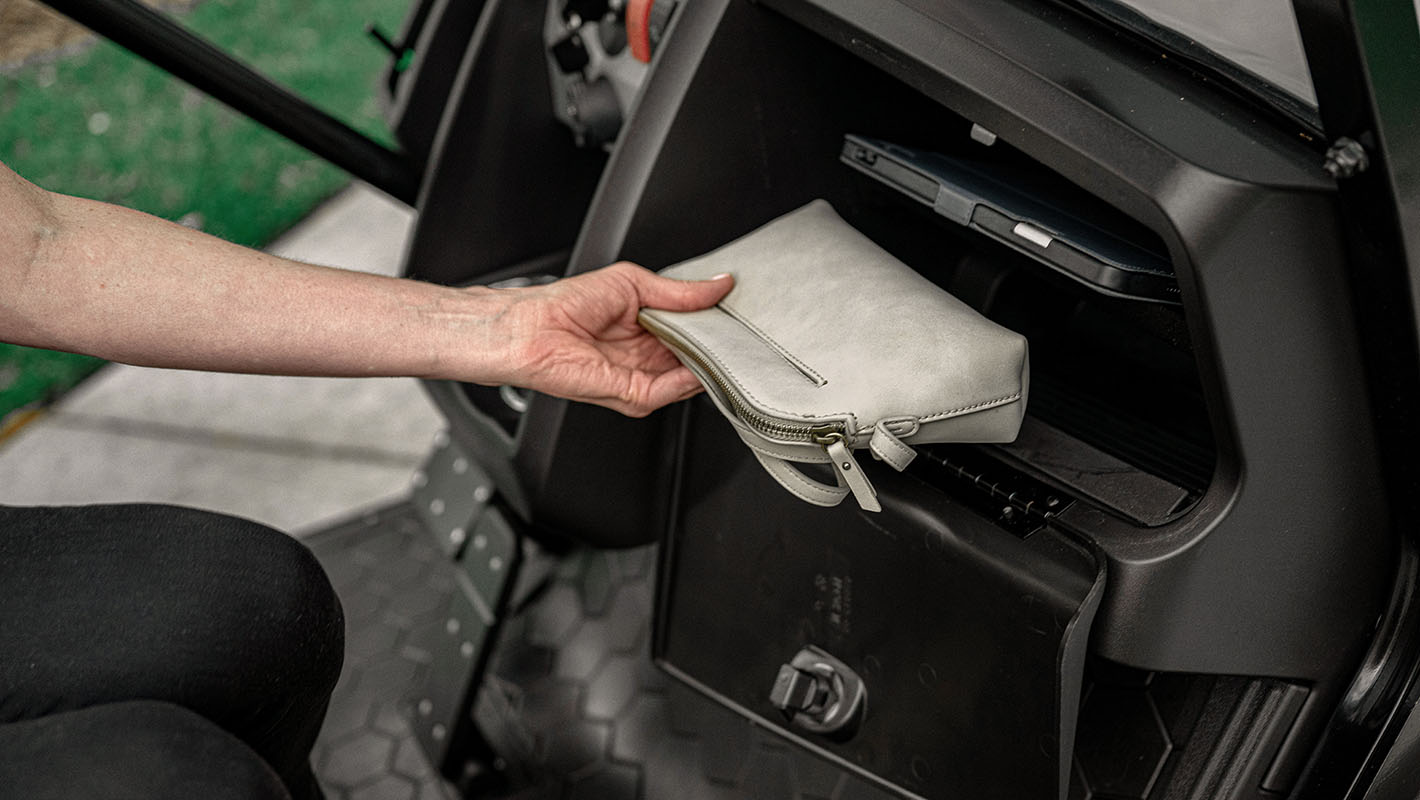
pixel 95 278
pixel 129 287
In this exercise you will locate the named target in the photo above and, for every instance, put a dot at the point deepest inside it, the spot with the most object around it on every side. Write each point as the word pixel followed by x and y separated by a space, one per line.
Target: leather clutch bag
pixel 828 344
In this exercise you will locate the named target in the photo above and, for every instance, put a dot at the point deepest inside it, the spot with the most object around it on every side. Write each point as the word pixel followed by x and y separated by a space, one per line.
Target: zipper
pixel 831 436
pixel 820 433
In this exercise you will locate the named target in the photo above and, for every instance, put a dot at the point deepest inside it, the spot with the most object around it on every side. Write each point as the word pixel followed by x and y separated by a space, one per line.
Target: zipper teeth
pixel 770 427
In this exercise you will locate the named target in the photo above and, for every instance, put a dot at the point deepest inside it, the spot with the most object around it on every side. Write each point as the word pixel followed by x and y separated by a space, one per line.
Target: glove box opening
pixel 1114 383
pixel 1116 413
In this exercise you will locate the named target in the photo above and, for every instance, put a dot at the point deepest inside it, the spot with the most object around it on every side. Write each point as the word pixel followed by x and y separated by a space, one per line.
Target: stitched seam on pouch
pixel 810 487
pixel 801 457
pixel 780 350
pixel 973 407
pixel 852 420
pixel 827 498
pixel 809 498
pixel 896 448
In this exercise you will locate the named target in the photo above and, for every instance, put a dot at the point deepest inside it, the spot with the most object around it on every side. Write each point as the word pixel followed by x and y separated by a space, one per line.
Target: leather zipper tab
pixel 851 475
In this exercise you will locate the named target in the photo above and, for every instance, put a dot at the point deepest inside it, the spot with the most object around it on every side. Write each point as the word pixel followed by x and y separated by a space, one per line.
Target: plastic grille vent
pixel 1016 502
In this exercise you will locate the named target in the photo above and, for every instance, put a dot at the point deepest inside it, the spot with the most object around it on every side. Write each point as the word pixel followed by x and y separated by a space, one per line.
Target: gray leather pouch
pixel 829 344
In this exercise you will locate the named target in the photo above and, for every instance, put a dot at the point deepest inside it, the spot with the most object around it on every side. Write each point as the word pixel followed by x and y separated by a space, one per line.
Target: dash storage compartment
pixel 967 641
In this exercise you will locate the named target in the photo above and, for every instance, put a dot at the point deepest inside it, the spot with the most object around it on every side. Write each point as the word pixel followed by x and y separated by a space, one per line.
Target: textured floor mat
pixel 393 584
pixel 577 711
pixel 572 704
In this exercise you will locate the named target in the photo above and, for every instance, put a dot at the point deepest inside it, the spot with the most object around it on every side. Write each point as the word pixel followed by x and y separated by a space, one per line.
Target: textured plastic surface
pixel 1276 352
pixel 506 183
pixel 962 633
pixel 438 31
pixel 1294 503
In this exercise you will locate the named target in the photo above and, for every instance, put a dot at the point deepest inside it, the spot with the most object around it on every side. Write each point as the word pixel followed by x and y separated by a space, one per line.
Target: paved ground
pixel 295 453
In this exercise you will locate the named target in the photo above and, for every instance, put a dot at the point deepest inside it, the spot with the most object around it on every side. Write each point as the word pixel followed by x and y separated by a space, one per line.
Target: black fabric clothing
pixel 225 618
pixel 139 750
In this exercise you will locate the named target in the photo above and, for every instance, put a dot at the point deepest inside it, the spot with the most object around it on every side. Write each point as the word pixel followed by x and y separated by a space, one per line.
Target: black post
pixel 158 39
pixel 1364 59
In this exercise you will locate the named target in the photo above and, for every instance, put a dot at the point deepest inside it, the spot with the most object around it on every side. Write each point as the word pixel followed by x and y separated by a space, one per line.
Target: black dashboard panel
pixel 1218 451
pixel 1286 542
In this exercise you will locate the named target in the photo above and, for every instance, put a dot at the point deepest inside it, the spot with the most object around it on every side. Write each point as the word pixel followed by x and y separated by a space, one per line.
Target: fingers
pixel 669 294
pixel 668 387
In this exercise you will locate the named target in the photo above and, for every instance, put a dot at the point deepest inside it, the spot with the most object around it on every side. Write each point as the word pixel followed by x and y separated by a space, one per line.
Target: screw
pixel 1345 158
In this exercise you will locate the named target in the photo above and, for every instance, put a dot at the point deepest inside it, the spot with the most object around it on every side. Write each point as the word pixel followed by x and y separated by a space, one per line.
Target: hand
pixel 578 338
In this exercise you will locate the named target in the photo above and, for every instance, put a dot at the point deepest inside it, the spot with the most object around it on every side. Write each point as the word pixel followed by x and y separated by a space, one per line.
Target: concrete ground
pixel 294 453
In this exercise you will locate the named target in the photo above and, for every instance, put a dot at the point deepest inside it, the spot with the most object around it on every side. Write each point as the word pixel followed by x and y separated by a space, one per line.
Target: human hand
pixel 578 338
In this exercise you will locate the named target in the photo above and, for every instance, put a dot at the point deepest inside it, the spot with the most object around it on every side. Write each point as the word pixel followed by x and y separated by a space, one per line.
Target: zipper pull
pixel 847 469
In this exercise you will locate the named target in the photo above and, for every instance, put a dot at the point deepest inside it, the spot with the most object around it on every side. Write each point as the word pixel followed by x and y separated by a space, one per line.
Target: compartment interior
pixel 1110 375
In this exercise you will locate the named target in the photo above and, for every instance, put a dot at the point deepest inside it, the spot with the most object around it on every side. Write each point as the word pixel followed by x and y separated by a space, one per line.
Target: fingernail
pixel 720 277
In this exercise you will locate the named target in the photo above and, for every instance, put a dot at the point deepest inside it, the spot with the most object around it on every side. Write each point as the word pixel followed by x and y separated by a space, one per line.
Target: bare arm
pixel 89 277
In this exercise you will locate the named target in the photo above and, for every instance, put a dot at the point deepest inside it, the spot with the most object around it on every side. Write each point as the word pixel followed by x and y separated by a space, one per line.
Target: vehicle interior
pixel 1189 576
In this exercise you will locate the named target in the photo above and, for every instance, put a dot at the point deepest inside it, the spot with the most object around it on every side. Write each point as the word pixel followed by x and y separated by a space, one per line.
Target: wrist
pixel 474 334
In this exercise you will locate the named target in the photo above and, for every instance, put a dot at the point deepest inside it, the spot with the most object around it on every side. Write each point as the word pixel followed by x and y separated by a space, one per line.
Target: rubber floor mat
pixel 393 585
pixel 576 710
pixel 571 706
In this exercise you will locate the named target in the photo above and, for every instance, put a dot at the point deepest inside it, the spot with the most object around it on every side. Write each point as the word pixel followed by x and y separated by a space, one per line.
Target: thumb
pixel 669 294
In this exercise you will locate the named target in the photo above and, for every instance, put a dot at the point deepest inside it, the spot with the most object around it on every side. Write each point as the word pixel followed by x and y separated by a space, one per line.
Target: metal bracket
pixel 450 493
pixel 442 721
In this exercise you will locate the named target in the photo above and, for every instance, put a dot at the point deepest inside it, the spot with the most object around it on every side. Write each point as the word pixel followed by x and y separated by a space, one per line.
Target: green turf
pixel 102 123
pixel 31 377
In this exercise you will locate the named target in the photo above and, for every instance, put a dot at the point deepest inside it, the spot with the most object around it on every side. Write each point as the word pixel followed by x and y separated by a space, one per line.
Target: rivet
pixel 420 480
pixel 457 536
pixel 452 626
pixel 847 466
pixel 479 541
pixel 482 494
pixel 438 732
pixel 436 506
pixel 460 466
pixel 495 563
pixel 466 649
pixel 426 707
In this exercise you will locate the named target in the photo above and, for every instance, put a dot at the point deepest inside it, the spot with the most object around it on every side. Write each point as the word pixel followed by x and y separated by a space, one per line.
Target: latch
pixel 820 694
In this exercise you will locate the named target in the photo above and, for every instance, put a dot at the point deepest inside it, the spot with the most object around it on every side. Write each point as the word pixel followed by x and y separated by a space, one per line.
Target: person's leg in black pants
pixel 137 750
pixel 222 617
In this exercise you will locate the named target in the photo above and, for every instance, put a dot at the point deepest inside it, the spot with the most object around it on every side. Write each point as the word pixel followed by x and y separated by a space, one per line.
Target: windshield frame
pixel 1206 65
